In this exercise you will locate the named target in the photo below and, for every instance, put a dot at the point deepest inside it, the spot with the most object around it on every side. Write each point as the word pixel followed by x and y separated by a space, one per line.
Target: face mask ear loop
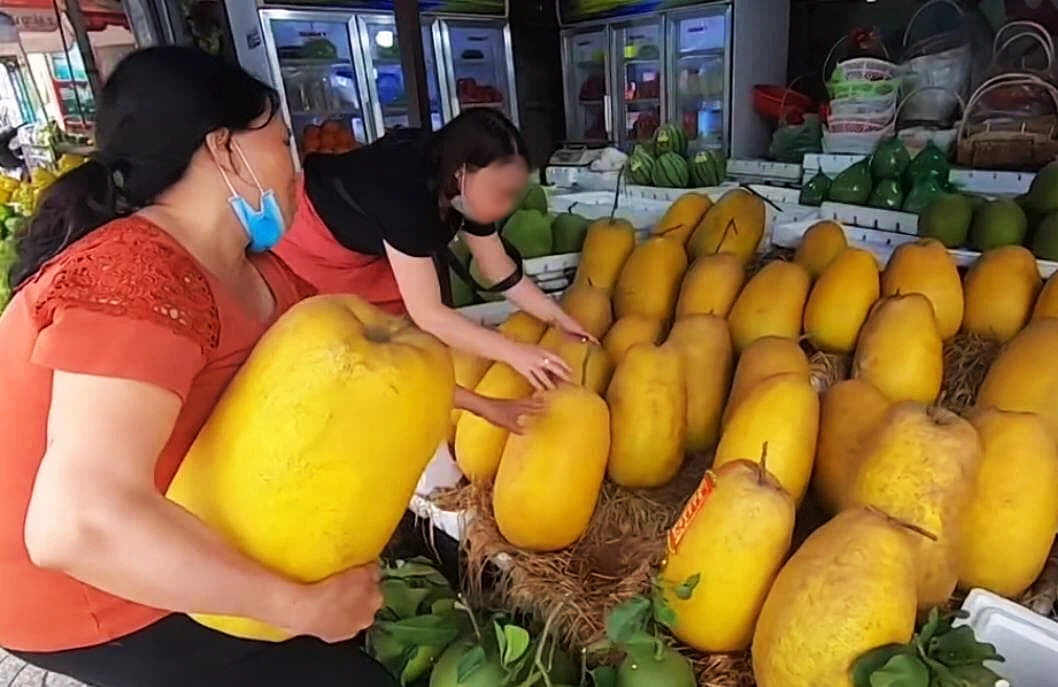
pixel 227 182
pixel 253 174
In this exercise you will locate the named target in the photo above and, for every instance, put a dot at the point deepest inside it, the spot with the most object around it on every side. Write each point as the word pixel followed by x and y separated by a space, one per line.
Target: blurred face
pixel 267 152
pixel 490 193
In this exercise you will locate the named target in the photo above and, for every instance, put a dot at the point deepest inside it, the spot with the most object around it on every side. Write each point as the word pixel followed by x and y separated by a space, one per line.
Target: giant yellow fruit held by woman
pixel 550 476
pixel 590 306
pixel 591 365
pixel 840 301
pixel 778 417
pixel 734 534
pixel 735 224
pixel 522 327
pixel 1023 378
pixel 924 266
pixel 650 281
pixel 765 357
pixel 1000 291
pixel 849 411
pixel 704 345
pixel 771 304
pixel 711 286
pixel 607 246
pixel 850 588
pixel 648 417
pixel 469 369
pixel 900 351
pixel 287 468
pixel 919 465
pixel 824 241
pixel 630 331
pixel 479 443
pixel 682 217
pixel 1013 514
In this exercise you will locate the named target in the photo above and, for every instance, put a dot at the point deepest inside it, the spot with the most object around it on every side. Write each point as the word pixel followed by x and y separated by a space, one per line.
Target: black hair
pixel 476 138
pixel 154 113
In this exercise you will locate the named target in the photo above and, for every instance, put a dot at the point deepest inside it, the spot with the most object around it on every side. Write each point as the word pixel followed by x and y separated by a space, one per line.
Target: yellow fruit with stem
pixel 765 357
pixel 704 346
pixel 824 241
pixel 840 301
pixel 734 224
pixel 711 286
pixel 771 304
pixel 900 350
pixel 682 217
pixel 629 331
pixel 650 281
pixel 925 266
pixel 1000 291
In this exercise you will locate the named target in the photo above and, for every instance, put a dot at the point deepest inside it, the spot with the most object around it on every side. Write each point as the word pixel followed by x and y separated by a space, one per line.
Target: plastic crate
pixel 1027 640
pixel 871 218
pixel 782 173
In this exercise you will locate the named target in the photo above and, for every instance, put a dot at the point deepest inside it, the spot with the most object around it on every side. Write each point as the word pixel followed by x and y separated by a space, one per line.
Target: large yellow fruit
pixel 1023 378
pixel 900 351
pixel 469 369
pixel 735 224
pixel 824 241
pixel 780 415
pixel 840 301
pixel 682 217
pixel 1001 289
pixel 523 327
pixel 479 443
pixel 591 364
pixel 919 465
pixel 590 306
pixel 849 411
pixel 629 331
pixel 734 534
pixel 704 345
pixel 1047 303
pixel 770 355
pixel 1013 514
pixel 850 588
pixel 711 286
pixel 924 266
pixel 771 304
pixel 607 245
pixel 287 468
pixel 648 417
pixel 650 281
pixel 550 476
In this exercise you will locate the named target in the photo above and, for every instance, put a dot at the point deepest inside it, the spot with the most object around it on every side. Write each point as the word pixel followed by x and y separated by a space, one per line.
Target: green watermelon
pixel 703 170
pixel 671 171
pixel 670 138
pixel 640 168
pixel 644 149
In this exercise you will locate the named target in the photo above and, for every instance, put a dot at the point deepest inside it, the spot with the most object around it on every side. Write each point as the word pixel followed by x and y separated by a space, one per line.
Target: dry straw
pixel 967 358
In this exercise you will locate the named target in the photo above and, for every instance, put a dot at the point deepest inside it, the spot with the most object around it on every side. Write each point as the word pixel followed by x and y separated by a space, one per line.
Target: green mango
pixel 853 185
pixel 922 194
pixel 890 160
pixel 947 219
pixel 1042 198
pixel 1045 241
pixel 419 663
pixel 815 191
pixel 930 161
pixel 530 232
pixel 887 195
pixel 535 198
pixel 641 668
pixel 998 223
pixel 568 230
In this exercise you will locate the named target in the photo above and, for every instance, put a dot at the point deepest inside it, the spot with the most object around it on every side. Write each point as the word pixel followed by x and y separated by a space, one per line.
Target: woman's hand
pixel 337 608
pixel 540 366
pixel 573 328
pixel 509 414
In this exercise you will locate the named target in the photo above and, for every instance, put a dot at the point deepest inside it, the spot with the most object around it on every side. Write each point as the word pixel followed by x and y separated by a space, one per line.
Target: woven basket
pixel 941 60
pixel 1005 141
pixel 1008 35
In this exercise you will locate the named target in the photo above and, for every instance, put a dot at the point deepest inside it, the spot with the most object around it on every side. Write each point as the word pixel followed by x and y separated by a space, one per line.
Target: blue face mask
pixel 265 226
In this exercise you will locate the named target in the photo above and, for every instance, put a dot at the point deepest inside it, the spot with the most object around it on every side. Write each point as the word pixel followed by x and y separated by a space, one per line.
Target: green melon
pixel 670 138
pixel 671 171
pixel 703 168
pixel 530 232
pixel 640 168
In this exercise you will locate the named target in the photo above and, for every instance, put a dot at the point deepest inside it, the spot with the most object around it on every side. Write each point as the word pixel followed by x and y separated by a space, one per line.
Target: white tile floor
pixel 15 673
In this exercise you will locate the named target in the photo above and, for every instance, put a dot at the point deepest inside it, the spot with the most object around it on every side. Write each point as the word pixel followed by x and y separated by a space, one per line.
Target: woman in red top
pixel 142 285
pixel 370 221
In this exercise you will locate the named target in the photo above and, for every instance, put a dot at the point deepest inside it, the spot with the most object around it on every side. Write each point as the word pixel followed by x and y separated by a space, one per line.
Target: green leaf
pixel 901 671
pixel 627 619
pixel 501 637
pixel 665 615
pixel 874 660
pixel 960 647
pixel 931 628
pixel 685 589
pixel 402 599
pixel 639 638
pixel 424 630
pixel 604 676
pixel 975 675
pixel 469 664
pixel 516 644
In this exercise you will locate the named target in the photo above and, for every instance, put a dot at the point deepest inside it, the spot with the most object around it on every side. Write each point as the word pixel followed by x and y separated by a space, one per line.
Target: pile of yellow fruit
pixel 696 356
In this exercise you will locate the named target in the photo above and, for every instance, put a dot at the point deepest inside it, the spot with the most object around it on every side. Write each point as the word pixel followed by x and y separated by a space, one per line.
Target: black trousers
pixel 178 652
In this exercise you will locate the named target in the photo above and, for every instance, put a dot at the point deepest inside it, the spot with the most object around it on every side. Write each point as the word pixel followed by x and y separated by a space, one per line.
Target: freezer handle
pixel 607 113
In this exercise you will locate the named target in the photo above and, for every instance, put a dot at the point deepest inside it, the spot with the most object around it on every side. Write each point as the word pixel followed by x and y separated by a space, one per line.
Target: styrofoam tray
pixel 643 213
pixel 581 178
pixel 1028 641
pixel 984 182
pixel 671 194
pixel 871 218
pixel 765 170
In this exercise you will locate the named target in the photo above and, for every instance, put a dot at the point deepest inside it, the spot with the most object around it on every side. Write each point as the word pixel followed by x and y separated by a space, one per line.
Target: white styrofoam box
pixel 581 178
pixel 765 170
pixel 832 165
pixel 643 213
pixel 1027 640
pixel 671 194
pixel 992 183
pixel 871 218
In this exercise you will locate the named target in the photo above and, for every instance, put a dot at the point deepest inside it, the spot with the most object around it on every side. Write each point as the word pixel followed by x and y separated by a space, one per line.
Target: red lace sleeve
pixel 126 302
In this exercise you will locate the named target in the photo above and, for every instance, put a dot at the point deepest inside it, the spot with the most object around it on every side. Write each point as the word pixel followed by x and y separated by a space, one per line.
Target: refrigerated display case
pixel 630 67
pixel 359 85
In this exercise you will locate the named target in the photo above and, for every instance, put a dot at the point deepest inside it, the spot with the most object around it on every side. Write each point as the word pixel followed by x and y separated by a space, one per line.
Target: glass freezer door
pixel 480 70
pixel 321 78
pixel 699 76
pixel 639 53
pixel 385 75
pixel 586 70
